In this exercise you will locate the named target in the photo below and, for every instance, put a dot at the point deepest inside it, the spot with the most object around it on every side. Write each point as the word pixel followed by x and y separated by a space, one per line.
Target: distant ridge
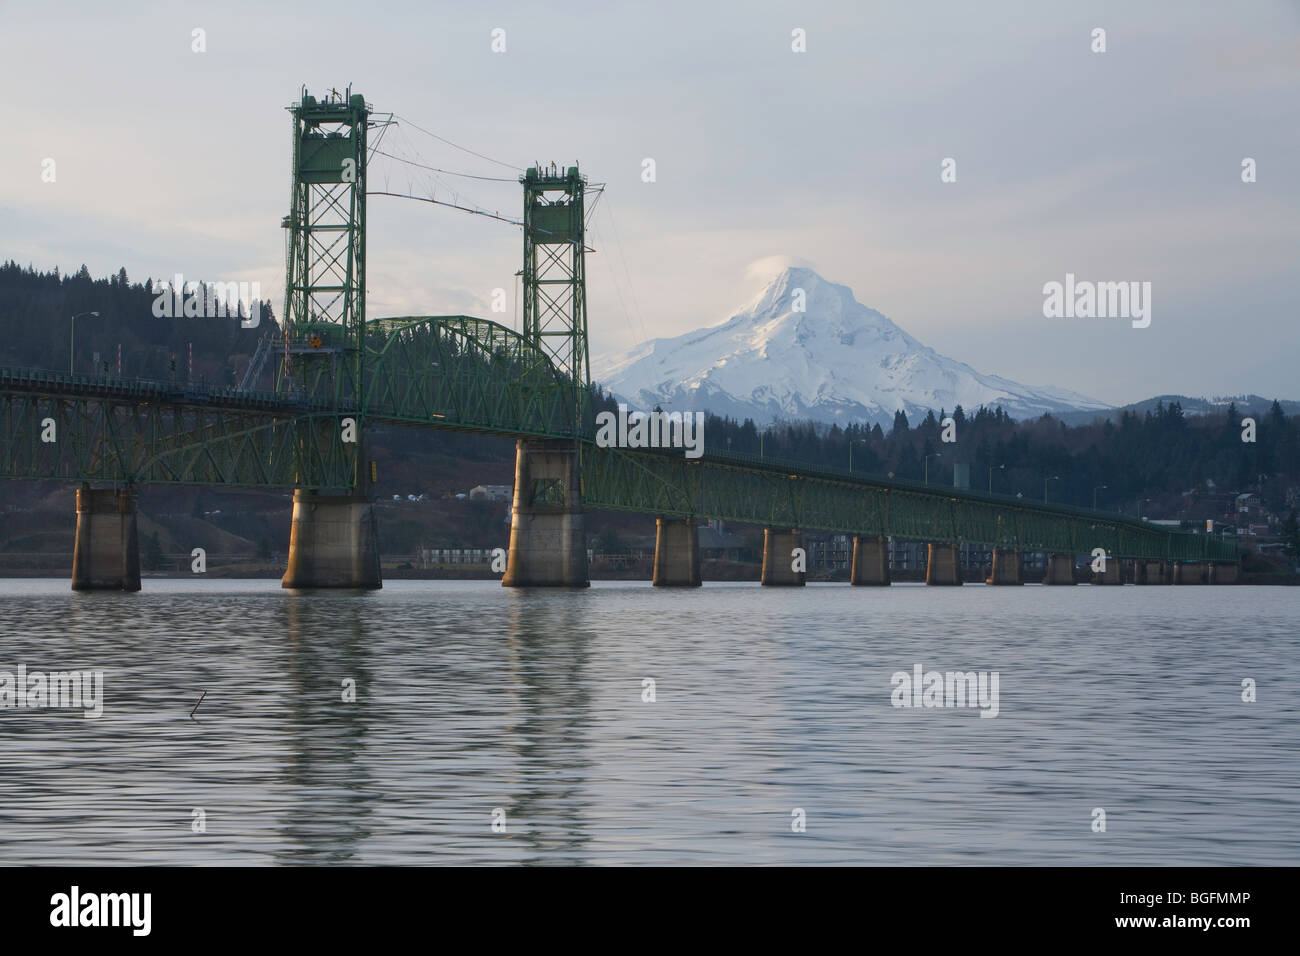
pixel 1246 405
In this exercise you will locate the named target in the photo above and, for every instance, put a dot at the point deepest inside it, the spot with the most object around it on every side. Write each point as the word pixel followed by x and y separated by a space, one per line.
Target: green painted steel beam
pixel 142 440
pixel 467 374
pixel 784 494
pixel 554 274
pixel 325 258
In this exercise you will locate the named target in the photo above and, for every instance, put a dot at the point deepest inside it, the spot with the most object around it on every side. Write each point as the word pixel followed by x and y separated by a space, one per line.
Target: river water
pixel 772 707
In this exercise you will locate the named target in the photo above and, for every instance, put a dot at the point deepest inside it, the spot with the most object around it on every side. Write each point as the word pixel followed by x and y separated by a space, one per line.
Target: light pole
pixel 1095 489
pixel 1000 468
pixel 1045 481
pixel 853 442
pixel 927 465
pixel 72 338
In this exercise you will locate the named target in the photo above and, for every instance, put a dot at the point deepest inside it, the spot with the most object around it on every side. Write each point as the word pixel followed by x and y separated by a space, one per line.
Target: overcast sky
pixel 1123 165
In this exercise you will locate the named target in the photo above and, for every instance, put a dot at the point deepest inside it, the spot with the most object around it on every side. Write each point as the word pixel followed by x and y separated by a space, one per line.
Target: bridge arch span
pixel 457 371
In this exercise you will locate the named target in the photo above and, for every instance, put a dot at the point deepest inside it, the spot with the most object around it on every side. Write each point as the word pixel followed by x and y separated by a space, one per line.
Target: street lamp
pixel 1000 468
pixel 853 442
pixel 1095 489
pixel 72 338
pixel 927 465
pixel 1045 481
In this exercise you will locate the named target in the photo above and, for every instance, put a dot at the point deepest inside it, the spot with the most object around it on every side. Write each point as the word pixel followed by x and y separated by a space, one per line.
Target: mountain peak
pixel 800 291
pixel 763 271
pixel 806 348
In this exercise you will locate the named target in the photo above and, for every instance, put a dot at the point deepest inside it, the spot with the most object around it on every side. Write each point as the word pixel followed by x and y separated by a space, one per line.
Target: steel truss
pixel 790 495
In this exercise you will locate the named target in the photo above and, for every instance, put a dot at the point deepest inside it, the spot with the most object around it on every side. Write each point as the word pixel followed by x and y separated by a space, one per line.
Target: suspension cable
pixel 448 172
pixel 441 139
pixel 468 209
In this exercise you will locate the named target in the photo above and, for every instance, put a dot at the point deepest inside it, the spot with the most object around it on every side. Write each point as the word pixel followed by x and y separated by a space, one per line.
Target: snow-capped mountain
pixel 834 360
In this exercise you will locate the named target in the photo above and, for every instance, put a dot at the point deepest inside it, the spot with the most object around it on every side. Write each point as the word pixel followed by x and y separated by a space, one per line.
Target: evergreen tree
pixel 900 424
pixel 908 464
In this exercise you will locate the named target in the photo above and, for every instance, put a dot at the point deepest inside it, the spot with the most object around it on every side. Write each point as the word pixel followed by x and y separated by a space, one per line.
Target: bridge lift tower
pixel 325 269
pixel 334 540
pixel 548 546
pixel 555 280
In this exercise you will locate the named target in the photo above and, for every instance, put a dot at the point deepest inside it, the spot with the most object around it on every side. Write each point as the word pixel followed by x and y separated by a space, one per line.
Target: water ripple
pixel 471 698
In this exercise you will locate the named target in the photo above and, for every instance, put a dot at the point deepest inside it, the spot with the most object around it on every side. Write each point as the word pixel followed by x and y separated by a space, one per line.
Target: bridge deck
pixel 144 431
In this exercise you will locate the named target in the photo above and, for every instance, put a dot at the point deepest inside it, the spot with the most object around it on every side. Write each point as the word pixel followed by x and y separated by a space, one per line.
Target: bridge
pixel 339 373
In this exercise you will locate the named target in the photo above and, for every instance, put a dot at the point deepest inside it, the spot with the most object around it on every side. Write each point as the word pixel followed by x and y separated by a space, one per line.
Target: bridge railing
pixel 473 374
pixel 199 391
pixel 754 489
pixel 870 479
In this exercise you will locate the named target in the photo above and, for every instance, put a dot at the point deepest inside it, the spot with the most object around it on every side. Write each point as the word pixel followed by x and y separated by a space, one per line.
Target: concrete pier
pixel 943 565
pixel 106 555
pixel 1224 572
pixel 1006 567
pixel 870 565
pixel 1190 572
pixel 677 553
pixel 548 542
pixel 1114 573
pixel 1151 572
pixel 778 559
pixel 333 542
pixel 1060 569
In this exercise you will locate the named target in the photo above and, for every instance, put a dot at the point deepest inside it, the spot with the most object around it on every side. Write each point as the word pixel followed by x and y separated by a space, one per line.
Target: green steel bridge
pixel 469 374
pixel 474 375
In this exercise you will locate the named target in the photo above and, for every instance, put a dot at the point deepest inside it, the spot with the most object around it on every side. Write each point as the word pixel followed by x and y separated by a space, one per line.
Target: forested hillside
pixel 36 310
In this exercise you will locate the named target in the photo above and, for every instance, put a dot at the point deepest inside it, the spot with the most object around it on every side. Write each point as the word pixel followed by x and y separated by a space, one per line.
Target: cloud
pixel 760 271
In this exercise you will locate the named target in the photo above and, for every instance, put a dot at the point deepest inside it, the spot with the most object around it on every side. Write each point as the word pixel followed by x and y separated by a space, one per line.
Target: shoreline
pixel 732 572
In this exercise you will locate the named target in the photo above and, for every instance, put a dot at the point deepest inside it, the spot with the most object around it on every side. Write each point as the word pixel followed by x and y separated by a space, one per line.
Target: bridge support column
pixel 106 555
pixel 870 561
pixel 1060 569
pixel 1151 572
pixel 333 542
pixel 778 558
pixel 1189 572
pixel 1114 573
pixel 943 565
pixel 677 553
pixel 1006 567
pixel 548 540
pixel 1224 572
